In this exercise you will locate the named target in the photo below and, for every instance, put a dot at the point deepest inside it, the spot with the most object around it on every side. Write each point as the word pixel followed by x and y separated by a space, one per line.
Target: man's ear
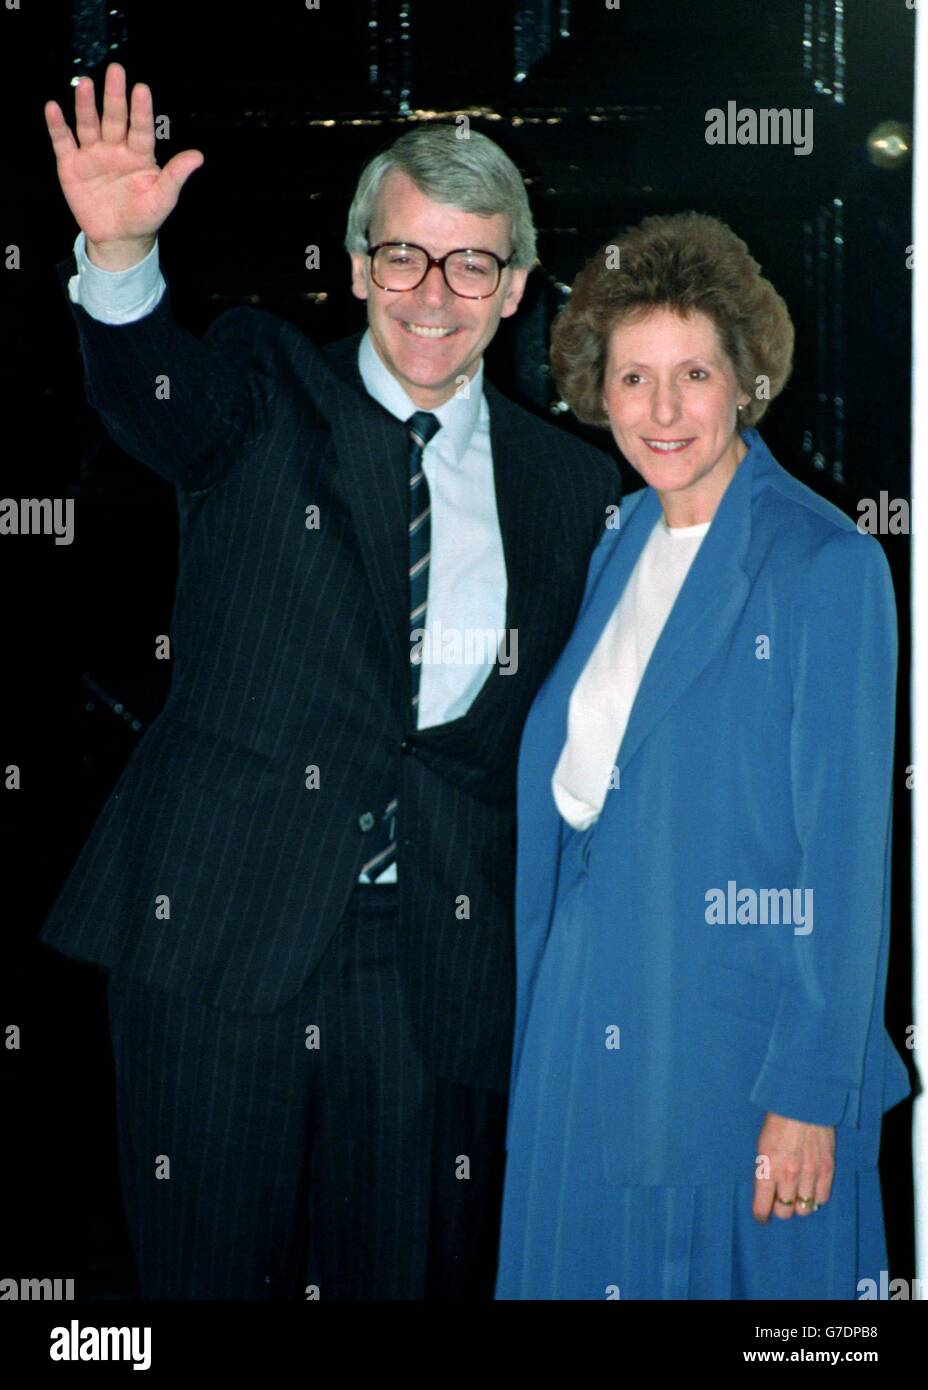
pixel 514 293
pixel 359 287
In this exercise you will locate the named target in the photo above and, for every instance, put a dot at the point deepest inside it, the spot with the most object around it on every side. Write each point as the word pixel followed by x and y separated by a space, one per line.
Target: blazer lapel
pixel 713 594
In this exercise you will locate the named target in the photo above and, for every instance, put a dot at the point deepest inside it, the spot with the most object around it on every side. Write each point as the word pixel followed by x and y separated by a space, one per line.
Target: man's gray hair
pixel 472 174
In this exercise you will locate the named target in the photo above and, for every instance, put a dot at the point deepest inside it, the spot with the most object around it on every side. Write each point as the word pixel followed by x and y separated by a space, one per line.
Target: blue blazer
pixel 757 756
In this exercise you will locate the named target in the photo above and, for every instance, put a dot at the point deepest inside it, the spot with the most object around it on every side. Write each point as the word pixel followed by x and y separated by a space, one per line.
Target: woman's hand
pixel 800 1165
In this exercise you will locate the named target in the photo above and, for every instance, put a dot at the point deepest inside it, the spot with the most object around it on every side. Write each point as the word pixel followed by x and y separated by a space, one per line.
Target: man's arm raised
pixel 174 401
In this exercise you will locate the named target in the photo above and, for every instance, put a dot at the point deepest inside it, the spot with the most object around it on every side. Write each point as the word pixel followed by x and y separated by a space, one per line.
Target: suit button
pixel 406 746
pixel 366 821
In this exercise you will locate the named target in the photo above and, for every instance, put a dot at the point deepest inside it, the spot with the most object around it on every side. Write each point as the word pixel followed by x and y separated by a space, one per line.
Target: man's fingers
pixel 86 121
pixel 115 113
pixel 141 137
pixel 58 129
pixel 178 169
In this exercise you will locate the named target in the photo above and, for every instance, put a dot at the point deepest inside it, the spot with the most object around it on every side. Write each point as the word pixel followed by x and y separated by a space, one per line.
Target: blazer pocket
pixel 187 755
pixel 739 992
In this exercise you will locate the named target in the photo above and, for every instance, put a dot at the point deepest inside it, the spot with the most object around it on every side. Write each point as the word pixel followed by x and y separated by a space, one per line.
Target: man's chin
pixel 420 366
pixel 443 379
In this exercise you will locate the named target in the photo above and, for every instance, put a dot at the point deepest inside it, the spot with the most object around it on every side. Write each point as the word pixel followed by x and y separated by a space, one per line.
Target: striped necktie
pixel 421 427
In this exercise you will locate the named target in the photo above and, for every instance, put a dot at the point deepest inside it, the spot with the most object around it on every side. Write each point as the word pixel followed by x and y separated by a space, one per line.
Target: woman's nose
pixel 665 404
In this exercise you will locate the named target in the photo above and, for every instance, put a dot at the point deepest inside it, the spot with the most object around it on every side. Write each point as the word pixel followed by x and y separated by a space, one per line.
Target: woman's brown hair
pixel 687 262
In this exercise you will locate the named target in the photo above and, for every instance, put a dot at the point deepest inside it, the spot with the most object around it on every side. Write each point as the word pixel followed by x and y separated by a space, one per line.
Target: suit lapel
pixel 372 479
pixel 526 506
pixel 514 473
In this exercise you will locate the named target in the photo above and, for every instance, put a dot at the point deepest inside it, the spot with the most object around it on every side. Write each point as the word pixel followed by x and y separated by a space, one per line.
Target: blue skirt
pixel 567 1234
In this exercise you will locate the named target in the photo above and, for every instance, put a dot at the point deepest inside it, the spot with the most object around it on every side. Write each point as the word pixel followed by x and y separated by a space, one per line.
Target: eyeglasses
pixel 399 266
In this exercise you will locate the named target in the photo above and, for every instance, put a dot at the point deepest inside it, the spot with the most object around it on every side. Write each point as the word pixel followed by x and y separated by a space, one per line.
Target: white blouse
pixel 602 698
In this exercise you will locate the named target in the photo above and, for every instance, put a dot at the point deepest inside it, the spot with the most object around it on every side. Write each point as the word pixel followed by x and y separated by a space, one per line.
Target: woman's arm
pixel 842 652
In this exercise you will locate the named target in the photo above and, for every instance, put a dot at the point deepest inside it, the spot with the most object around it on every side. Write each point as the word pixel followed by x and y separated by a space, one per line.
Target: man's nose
pixel 433 291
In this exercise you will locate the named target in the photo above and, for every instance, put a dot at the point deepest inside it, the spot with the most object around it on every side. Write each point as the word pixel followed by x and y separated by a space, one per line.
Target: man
pixel 302 883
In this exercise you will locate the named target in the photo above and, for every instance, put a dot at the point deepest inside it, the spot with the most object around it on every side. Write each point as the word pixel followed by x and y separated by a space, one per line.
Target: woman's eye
pixel 699 374
pixel 631 378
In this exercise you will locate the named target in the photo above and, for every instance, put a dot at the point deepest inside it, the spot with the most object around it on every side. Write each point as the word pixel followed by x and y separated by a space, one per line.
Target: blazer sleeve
pixel 843 650
pixel 182 405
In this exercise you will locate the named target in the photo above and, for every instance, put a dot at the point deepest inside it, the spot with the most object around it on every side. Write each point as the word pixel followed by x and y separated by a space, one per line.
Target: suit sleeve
pixel 843 649
pixel 182 405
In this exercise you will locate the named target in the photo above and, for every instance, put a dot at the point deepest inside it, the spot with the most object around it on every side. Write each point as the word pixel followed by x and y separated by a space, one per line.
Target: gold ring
pixel 806 1201
pixel 785 1201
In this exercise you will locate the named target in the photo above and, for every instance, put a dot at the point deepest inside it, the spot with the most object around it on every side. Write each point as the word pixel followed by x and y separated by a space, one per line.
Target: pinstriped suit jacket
pixel 290 649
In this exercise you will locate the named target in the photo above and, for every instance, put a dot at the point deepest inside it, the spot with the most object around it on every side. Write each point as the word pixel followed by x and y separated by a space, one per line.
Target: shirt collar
pixel 458 416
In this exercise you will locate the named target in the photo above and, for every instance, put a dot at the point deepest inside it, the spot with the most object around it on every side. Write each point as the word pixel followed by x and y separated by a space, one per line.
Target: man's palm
pixel 111 179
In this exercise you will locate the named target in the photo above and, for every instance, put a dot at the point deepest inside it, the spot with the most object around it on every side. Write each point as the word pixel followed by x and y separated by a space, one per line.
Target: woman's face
pixel 672 399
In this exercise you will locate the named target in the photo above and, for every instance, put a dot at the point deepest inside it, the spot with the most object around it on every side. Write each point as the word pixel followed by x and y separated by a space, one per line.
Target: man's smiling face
pixel 430 365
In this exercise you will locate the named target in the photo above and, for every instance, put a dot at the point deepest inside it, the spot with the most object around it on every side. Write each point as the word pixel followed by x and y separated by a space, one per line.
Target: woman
pixel 704 831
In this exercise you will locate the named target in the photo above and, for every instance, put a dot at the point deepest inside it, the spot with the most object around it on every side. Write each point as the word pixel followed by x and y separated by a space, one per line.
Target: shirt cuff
pixel 116 296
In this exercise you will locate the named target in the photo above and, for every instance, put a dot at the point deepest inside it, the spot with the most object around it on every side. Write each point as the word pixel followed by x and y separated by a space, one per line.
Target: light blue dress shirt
pixel 467 570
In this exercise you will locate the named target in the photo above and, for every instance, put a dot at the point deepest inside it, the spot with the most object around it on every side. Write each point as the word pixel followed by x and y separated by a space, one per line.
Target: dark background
pixel 605 112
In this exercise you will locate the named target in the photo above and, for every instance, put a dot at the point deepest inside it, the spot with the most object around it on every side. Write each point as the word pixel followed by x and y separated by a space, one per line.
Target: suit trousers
pixel 305 1153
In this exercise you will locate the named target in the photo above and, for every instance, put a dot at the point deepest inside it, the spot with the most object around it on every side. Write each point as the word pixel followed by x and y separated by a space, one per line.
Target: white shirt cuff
pixel 116 296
